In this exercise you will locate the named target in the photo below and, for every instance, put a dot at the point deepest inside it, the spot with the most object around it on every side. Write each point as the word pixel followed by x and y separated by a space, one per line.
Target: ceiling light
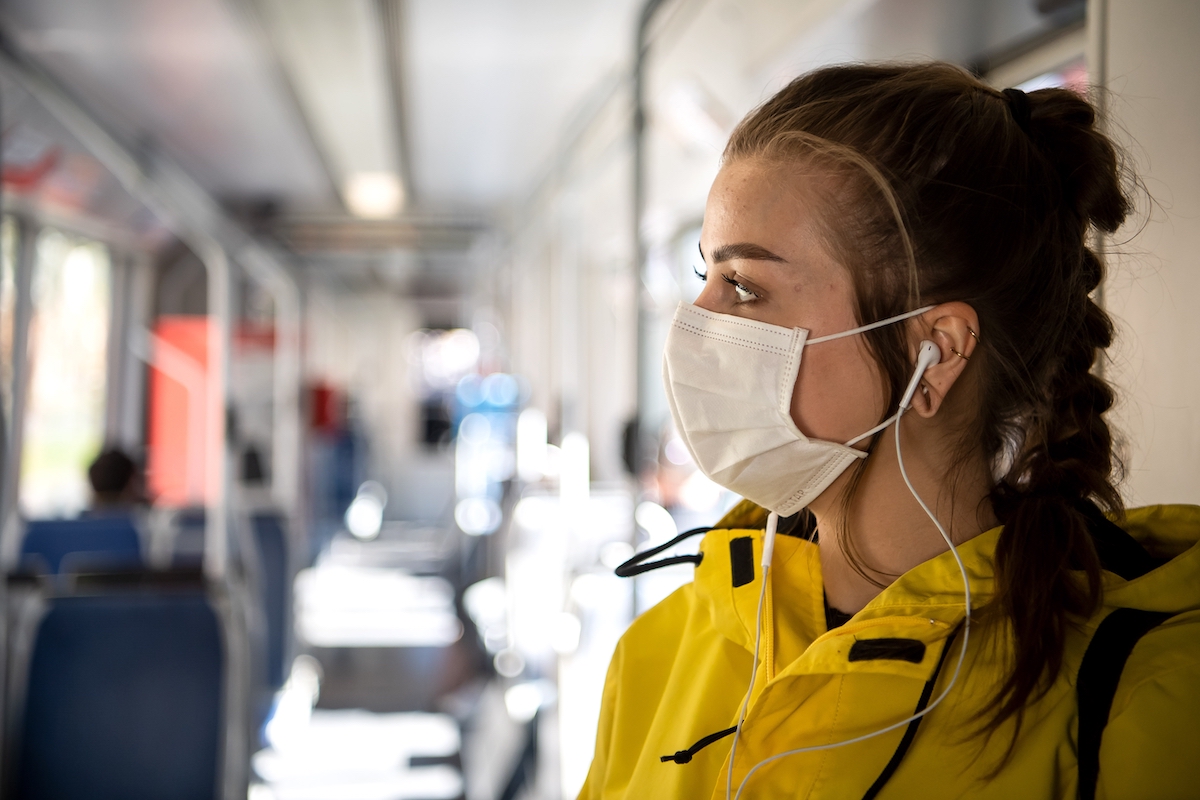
pixel 374 195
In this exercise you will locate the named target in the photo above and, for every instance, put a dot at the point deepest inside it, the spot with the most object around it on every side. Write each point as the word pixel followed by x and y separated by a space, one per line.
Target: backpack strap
pixel 1096 685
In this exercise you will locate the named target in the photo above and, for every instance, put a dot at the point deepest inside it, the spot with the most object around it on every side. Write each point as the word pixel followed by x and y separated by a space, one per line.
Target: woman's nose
pixel 709 298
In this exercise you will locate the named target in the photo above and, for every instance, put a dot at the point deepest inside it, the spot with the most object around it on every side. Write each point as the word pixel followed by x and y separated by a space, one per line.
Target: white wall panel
pixel 1151 61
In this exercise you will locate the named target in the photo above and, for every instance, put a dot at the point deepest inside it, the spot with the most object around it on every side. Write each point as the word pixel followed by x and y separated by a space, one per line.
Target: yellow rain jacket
pixel 681 670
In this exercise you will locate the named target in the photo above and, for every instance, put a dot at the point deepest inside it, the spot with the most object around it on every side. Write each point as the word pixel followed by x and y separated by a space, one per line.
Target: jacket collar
pixel 925 604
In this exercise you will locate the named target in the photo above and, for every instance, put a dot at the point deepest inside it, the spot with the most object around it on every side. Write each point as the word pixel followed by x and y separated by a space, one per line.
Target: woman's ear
pixel 954 328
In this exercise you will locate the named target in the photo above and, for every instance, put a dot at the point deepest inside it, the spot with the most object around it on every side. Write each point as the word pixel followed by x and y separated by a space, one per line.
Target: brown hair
pixel 953 190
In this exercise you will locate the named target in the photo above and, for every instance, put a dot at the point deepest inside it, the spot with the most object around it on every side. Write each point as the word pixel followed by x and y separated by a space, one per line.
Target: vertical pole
pixel 286 457
pixel 644 301
pixel 118 354
pixel 644 309
pixel 217 516
pixel 27 236
pixel 130 428
pixel 573 415
pixel 10 527
pixel 286 431
pixel 216 540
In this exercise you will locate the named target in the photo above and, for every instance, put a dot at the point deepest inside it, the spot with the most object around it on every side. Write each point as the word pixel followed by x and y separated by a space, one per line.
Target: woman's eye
pixel 701 275
pixel 744 294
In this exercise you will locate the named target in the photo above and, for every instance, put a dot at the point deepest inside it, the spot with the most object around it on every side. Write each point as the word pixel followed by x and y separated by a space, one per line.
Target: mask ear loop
pixel 916 312
pixel 926 356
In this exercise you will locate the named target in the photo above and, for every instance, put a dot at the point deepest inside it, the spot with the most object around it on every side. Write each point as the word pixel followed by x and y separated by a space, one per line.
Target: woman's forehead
pixel 775 207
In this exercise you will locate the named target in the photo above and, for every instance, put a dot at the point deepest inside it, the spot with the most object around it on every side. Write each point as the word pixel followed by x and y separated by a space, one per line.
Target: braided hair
pixel 952 190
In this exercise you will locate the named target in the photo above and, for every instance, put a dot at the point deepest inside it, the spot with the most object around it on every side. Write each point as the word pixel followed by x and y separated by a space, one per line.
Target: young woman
pixel 932 586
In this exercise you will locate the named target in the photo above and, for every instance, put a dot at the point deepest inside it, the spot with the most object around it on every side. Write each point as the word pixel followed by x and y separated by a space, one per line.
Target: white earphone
pixel 927 355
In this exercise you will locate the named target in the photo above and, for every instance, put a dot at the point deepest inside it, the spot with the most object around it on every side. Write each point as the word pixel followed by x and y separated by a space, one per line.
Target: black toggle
pixel 684 756
pixel 636 565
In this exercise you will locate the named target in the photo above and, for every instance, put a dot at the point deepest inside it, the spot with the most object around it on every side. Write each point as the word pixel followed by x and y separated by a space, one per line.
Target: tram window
pixel 8 308
pixel 68 347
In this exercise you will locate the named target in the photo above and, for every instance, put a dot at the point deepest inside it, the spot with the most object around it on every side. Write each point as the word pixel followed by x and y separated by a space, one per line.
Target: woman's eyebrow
pixel 742 250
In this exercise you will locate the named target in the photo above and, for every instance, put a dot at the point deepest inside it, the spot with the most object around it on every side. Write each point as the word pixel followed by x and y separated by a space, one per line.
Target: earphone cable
pixel 953 678
pixel 768 546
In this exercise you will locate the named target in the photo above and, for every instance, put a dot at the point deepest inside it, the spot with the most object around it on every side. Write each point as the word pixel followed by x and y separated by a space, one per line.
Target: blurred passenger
pixel 938 603
pixel 115 482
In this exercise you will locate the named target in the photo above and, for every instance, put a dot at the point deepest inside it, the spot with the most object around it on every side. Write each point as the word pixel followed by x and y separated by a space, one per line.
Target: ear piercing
pixel 974 336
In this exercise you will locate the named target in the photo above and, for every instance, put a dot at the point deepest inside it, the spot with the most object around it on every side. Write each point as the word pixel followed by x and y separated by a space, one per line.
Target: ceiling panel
pixel 271 98
pixel 333 51
pixel 491 87
pixel 185 76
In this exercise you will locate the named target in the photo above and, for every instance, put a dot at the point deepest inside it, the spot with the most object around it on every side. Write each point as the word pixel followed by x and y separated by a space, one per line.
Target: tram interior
pixel 370 295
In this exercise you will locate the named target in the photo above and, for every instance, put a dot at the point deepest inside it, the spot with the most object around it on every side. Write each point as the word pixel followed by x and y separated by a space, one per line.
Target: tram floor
pixel 390 679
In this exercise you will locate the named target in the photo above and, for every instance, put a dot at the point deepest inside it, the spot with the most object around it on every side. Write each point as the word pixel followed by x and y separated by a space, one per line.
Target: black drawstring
pixel 684 756
pixel 635 565
pixel 910 732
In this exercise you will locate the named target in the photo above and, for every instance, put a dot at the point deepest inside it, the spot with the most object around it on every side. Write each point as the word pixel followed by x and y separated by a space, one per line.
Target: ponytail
pixel 1047 567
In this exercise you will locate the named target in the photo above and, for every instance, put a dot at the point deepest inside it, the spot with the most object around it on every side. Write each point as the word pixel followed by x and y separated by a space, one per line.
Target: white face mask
pixel 729 382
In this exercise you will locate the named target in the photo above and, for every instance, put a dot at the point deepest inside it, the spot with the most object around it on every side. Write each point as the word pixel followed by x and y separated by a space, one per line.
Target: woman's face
pixel 766 260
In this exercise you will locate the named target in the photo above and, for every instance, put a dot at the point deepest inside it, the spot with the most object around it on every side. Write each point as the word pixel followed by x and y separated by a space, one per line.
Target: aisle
pixel 359 755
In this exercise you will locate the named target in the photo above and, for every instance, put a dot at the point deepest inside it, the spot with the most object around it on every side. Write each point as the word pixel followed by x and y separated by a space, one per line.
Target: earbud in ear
pixel 927 355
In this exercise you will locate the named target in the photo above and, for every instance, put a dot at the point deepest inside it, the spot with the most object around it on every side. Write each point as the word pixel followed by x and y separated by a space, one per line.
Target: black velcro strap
pixel 684 756
pixel 1099 674
pixel 741 560
pixel 888 650
pixel 636 565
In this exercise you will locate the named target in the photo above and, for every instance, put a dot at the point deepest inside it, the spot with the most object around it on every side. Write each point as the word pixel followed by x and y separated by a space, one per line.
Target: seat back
pixel 188 547
pixel 270 541
pixel 107 542
pixel 124 698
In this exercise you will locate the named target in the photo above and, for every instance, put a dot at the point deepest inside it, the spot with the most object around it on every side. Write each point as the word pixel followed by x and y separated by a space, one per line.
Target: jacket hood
pixel 1170 533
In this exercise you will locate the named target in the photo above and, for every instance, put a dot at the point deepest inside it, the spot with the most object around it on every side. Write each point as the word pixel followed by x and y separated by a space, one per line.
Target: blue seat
pixel 270 541
pixel 124 698
pixel 109 542
pixel 188 548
